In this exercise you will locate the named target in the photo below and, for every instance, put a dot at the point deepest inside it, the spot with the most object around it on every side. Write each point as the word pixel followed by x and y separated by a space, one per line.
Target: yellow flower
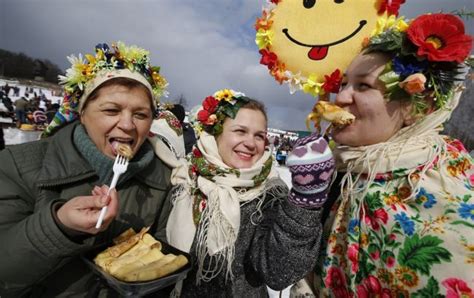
pixel 225 94
pixel 263 38
pixel 132 54
pixel 91 59
pixel 391 22
pixel 312 86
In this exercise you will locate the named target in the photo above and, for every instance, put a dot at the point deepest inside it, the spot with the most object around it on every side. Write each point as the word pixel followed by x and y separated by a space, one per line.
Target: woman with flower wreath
pixel 52 190
pixel 232 212
pixel 403 220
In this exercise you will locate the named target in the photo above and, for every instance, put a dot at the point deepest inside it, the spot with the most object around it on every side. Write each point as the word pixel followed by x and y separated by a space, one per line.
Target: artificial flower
pixel 210 104
pixel 279 73
pixel 408 67
pixel 264 22
pixel 295 81
pixel 224 94
pixel 211 120
pixel 385 23
pixel 269 59
pixel 332 83
pixel 414 83
pixel 312 86
pixel 440 37
pixel 203 115
pixel 263 38
pixel 390 6
pixel 214 109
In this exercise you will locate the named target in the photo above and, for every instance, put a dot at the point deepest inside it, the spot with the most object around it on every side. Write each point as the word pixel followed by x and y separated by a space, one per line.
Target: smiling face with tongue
pixel 318 37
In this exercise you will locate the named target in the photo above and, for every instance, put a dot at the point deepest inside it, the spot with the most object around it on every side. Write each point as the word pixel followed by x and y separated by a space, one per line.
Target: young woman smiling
pixel 242 226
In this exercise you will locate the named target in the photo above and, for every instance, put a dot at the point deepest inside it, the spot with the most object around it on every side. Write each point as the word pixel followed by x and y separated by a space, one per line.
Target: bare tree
pixel 181 99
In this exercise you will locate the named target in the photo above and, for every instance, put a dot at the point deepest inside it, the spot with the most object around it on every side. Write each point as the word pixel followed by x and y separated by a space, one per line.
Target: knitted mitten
pixel 312 165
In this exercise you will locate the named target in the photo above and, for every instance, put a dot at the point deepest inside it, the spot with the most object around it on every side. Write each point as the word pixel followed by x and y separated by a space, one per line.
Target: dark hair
pixel 121 81
pixel 178 111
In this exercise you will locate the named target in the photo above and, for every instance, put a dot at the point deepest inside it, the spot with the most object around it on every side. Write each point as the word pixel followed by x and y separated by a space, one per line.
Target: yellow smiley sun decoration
pixel 308 44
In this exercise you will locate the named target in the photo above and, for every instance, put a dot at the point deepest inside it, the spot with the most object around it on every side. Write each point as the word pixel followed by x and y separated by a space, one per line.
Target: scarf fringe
pixel 210 266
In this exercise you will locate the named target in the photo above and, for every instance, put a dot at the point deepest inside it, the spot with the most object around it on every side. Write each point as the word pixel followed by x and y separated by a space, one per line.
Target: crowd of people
pixel 33 107
pixel 387 212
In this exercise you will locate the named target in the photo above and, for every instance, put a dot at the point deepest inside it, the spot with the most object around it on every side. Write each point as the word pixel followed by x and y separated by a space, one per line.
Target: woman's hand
pixel 312 165
pixel 82 213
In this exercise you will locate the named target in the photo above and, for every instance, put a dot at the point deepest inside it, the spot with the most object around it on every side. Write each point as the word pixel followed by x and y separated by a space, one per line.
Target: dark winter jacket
pixel 277 250
pixel 36 258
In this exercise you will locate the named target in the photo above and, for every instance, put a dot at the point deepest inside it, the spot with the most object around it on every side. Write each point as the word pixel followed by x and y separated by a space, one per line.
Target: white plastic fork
pixel 120 166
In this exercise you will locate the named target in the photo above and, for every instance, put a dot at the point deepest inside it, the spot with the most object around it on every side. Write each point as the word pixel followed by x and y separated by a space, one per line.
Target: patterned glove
pixel 312 166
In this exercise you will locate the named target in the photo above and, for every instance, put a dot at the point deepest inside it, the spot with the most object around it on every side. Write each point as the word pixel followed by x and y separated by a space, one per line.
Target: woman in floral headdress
pixel 232 212
pixel 52 190
pixel 403 220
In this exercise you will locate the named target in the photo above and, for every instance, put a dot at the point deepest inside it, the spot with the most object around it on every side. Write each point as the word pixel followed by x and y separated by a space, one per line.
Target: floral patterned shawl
pixel 404 221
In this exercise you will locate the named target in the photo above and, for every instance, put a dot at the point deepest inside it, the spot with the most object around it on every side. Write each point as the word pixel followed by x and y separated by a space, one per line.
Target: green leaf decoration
pixel 462 222
pixel 387 41
pixel 420 254
pixel 431 290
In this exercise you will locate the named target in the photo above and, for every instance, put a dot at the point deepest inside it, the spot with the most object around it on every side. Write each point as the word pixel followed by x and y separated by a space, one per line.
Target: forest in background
pixel 21 66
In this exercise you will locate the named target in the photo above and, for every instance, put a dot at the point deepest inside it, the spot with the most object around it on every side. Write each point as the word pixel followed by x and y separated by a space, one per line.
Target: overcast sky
pixel 201 46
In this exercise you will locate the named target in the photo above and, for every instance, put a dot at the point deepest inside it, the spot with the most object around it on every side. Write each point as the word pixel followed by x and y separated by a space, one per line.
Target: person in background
pixel 232 212
pixel 52 190
pixel 403 218
pixel 21 106
pixel 188 131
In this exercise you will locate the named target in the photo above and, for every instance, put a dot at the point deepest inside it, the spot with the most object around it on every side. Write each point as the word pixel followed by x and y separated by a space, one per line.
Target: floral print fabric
pixel 386 246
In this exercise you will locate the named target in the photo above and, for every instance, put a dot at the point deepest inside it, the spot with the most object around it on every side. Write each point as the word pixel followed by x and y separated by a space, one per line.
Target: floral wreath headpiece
pixel 313 83
pixel 429 54
pixel 222 104
pixel 87 74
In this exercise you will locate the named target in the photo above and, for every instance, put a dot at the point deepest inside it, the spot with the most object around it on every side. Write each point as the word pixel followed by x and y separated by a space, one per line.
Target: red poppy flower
pixel 210 104
pixel 440 37
pixel 268 58
pixel 392 8
pixel 203 115
pixel 332 83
